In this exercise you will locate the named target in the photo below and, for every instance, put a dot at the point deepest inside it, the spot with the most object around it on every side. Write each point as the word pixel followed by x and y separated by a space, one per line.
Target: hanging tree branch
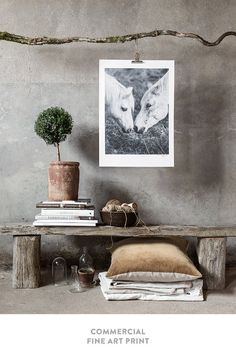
pixel 39 41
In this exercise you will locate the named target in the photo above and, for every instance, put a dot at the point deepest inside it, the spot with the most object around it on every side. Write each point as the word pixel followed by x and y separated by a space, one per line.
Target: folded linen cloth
pixel 167 285
pixel 181 291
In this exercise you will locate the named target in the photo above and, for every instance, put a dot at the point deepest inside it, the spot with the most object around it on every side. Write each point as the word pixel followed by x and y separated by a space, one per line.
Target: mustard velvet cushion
pixel 152 259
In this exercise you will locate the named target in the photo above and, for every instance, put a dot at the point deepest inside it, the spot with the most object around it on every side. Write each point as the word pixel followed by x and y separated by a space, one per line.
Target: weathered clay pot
pixel 86 276
pixel 63 180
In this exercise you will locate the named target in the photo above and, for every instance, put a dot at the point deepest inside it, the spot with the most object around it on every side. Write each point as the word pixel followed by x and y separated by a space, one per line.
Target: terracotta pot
pixel 86 276
pixel 63 180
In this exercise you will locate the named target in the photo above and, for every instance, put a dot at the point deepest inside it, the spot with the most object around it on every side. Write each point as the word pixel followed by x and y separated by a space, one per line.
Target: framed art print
pixel 136 113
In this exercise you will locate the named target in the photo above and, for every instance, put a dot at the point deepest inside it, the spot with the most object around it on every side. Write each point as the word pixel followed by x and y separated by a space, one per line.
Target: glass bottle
pixel 86 269
pixel 74 280
pixel 59 271
pixel 85 261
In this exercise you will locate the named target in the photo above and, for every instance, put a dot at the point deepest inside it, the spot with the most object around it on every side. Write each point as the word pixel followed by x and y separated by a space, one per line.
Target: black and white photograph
pixel 136 113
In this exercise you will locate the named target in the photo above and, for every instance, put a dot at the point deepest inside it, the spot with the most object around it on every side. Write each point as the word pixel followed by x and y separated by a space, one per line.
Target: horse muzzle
pixel 139 130
pixel 129 130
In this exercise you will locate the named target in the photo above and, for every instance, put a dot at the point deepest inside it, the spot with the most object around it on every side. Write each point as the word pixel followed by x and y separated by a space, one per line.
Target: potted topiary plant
pixel 53 125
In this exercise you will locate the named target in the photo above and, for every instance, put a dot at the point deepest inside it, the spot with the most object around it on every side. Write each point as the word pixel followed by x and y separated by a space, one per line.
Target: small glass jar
pixel 74 283
pixel 59 271
pixel 85 261
pixel 86 269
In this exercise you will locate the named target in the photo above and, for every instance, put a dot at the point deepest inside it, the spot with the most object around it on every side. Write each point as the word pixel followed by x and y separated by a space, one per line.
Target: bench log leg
pixel 26 262
pixel 211 257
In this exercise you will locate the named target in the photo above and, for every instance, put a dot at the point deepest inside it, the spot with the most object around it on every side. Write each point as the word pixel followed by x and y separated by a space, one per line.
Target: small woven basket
pixel 119 219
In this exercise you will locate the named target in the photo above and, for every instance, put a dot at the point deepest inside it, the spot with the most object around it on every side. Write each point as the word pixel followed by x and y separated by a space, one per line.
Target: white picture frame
pixel 142 94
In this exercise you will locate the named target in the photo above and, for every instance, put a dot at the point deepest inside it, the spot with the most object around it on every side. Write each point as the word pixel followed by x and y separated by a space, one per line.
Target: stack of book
pixel 66 213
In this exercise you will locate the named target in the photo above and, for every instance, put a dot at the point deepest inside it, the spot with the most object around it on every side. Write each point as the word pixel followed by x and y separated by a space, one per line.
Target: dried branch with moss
pixel 44 40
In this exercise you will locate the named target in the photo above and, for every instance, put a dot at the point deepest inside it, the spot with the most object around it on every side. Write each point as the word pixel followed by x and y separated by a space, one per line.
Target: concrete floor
pixel 57 300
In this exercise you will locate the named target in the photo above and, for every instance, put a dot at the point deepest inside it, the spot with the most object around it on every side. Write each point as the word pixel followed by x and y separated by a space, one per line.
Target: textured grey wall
pixel 200 189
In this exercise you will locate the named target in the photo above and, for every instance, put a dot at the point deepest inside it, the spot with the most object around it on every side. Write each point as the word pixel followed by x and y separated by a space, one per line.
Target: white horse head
pixel 154 105
pixel 120 102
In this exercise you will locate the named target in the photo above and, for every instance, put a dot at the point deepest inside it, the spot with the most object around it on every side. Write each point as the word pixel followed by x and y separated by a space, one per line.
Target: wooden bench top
pixel 103 231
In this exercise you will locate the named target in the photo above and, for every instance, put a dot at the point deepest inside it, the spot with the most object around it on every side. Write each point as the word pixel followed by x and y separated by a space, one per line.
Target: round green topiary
pixel 53 125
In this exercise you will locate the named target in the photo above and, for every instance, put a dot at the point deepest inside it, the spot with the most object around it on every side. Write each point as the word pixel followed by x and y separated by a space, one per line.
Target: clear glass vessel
pixel 74 283
pixel 85 261
pixel 59 271
pixel 86 269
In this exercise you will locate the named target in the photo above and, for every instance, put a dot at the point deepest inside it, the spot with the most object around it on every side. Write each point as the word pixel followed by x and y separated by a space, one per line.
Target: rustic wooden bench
pixel 211 247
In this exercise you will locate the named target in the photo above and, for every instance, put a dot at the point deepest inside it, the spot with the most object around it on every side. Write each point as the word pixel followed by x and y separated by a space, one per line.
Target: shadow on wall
pixel 86 141
pixel 199 122
pixel 108 189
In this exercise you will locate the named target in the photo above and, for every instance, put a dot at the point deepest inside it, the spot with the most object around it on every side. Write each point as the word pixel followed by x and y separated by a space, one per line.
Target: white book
pixel 70 212
pixel 79 221
pixel 65 223
pixel 69 202
pixel 64 217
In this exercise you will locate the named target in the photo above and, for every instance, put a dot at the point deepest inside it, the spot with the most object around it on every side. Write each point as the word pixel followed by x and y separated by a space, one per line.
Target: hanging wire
pixel 137 53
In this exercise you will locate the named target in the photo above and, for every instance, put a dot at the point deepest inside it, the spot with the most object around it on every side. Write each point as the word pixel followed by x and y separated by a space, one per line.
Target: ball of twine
pixel 115 205
pixel 114 201
pixel 133 206
pixel 125 207
pixel 112 205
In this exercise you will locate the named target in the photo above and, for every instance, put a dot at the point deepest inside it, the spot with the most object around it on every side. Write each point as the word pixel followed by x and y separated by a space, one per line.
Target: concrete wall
pixel 200 189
